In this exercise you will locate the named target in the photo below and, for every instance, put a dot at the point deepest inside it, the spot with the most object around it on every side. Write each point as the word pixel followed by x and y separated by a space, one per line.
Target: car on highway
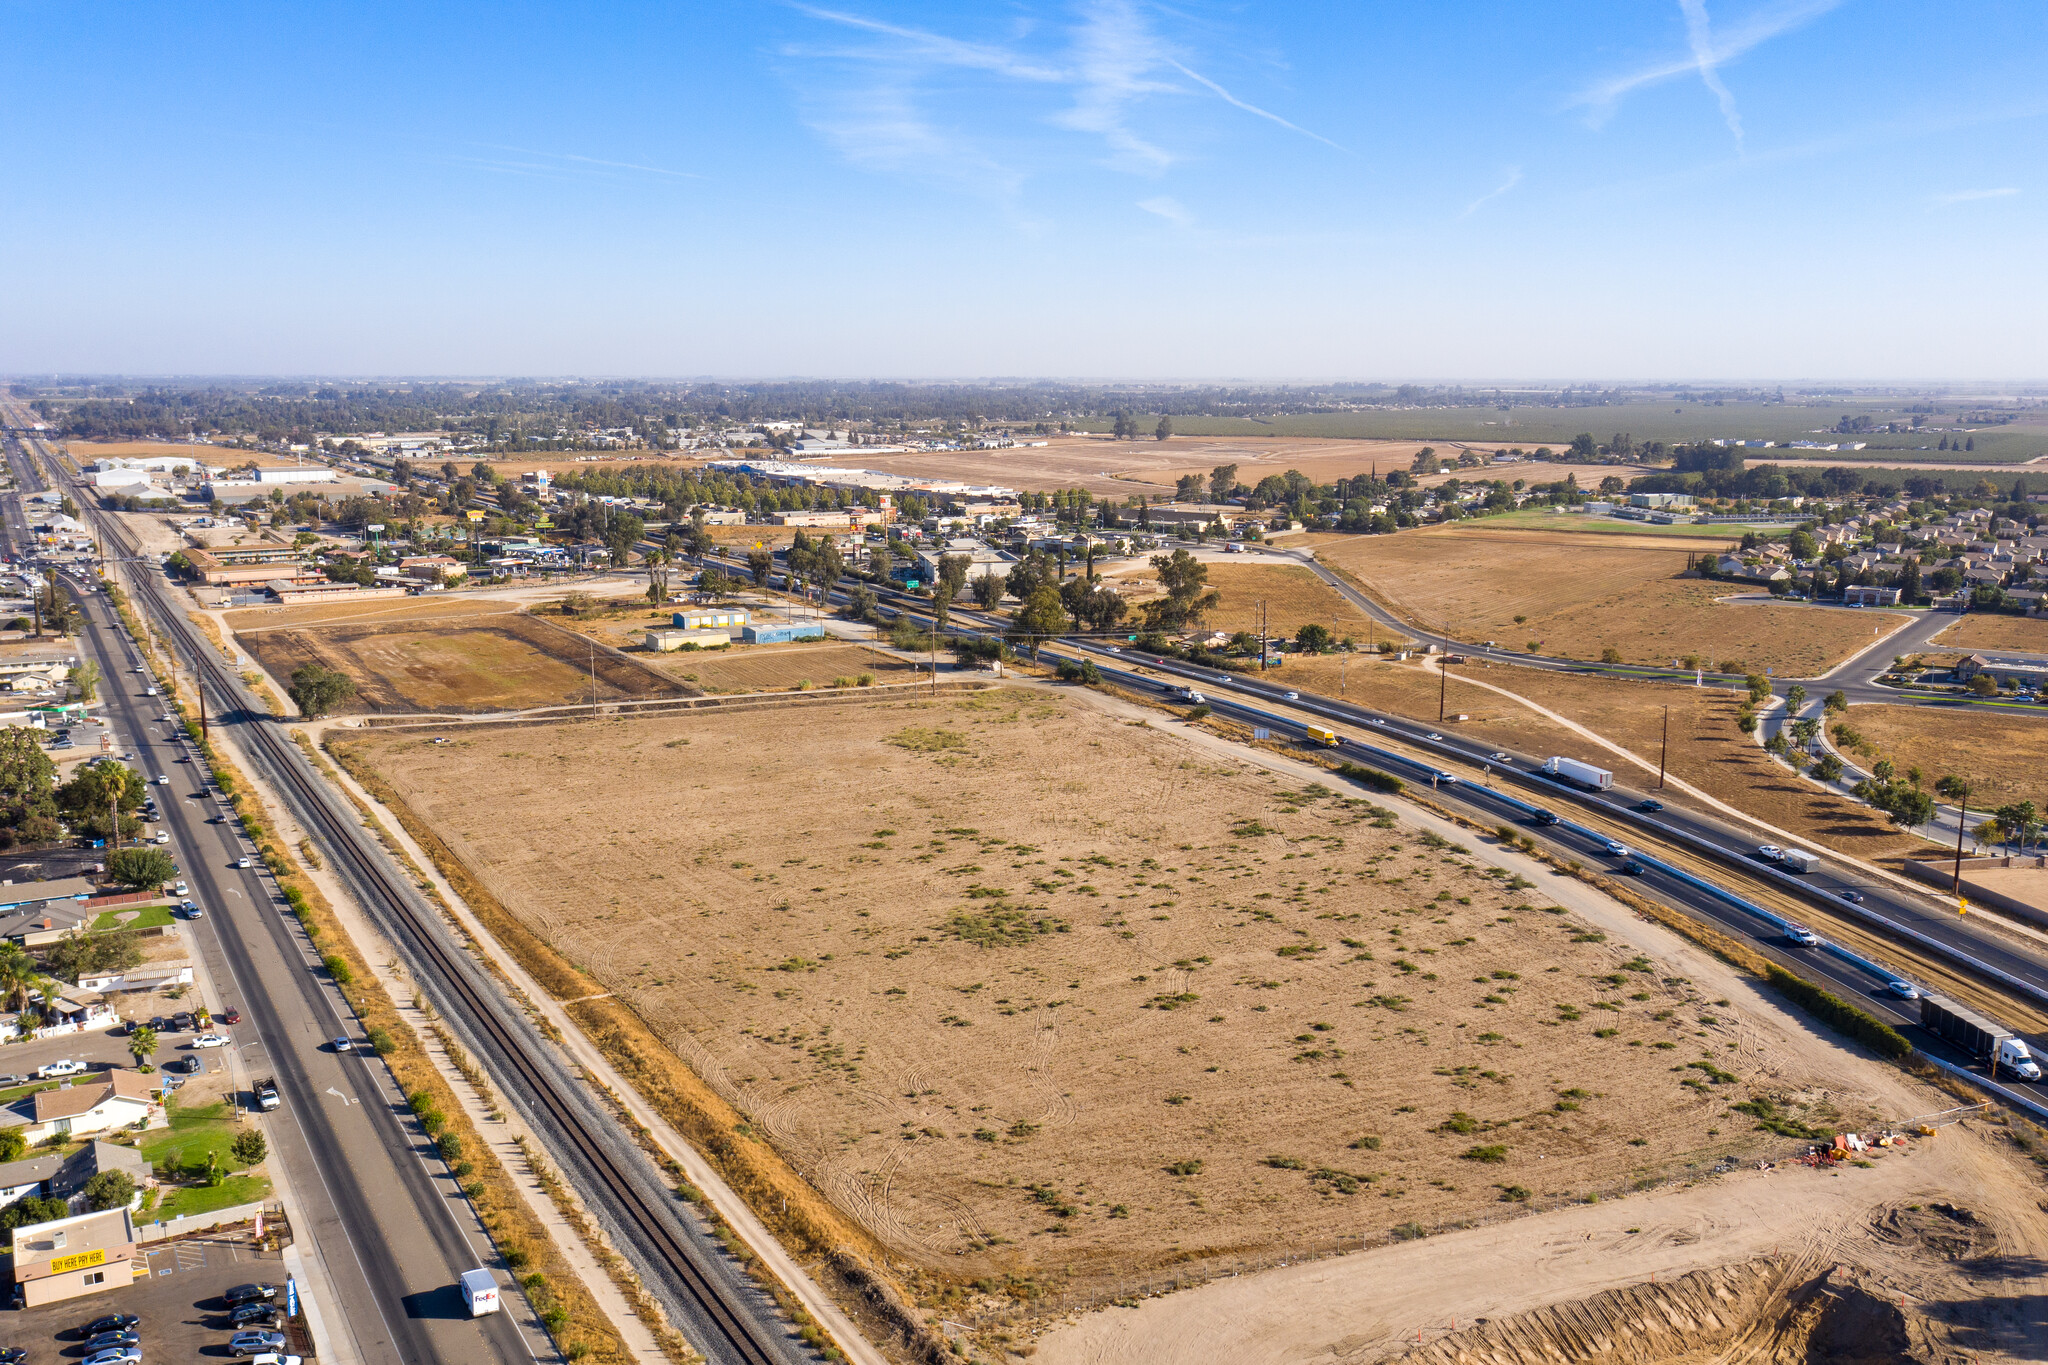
pixel 1375 720
pixel 50 1071
pixel 209 1040
pixel 1633 868
pixel 1432 735
pixel 115 1355
pixel 1615 848
pixel 163 779
pixel 242 863
pixel 181 889
pixel 112 1322
pixel 1853 897
pixel 1291 696
pixel 1803 936
pixel 255 1343
pixel 249 1293
pixel 1770 853
pixel 1650 804
pixel 1905 990
pixel 149 692
pixel 1498 758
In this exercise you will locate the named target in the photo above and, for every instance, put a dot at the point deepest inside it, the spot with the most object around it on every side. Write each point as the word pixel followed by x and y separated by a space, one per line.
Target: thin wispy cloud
pixel 1112 60
pixel 1699 36
pixel 1508 182
pixel 565 165
pixel 1709 48
pixel 1970 196
pixel 1169 208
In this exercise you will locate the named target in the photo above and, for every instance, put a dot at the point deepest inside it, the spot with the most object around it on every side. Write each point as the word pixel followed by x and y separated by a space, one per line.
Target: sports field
pixel 1036 993
pixel 1579 595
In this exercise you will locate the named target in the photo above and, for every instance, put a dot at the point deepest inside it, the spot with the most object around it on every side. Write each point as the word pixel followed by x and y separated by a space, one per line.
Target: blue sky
pixel 1104 188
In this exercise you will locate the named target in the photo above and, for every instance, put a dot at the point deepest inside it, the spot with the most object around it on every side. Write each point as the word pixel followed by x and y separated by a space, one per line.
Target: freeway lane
pixel 391 1227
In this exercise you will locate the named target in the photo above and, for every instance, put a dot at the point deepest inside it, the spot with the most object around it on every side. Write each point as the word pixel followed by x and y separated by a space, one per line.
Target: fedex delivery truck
pixel 480 1292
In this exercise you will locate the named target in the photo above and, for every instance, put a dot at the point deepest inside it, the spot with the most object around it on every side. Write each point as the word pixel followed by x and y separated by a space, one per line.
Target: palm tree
pixel 20 982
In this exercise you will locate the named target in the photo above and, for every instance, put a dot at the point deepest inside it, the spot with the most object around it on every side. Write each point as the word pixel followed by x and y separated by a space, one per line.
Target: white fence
pixel 164 1229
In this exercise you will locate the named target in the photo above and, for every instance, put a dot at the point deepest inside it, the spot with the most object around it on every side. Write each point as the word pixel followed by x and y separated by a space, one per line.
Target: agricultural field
pixel 2000 754
pixel 775 668
pixel 1294 597
pixel 1980 630
pixel 486 662
pixel 1577 595
pixel 1022 1032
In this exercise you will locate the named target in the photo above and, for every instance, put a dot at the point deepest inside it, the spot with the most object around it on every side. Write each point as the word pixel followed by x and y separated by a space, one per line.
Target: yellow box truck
pixel 1318 735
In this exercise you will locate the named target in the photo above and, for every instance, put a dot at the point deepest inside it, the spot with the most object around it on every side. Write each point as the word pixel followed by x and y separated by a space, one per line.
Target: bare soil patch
pixel 1986 630
pixel 220 457
pixel 1580 595
pixel 383 609
pixel 1023 1032
pixel 2000 755
pixel 1293 596
pixel 775 668
pixel 465 663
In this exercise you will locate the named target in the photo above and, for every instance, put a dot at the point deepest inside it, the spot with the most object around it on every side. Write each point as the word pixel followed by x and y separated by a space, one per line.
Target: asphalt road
pixel 392 1228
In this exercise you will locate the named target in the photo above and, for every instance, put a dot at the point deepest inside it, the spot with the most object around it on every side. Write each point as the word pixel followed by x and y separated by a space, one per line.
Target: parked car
pixel 210 1040
pixel 9 1082
pixel 183 1066
pixel 116 1355
pixel 182 1021
pixel 160 1024
pixel 261 1313
pixel 112 1322
pixel 181 889
pixel 276 1358
pixel 50 1071
pixel 251 1343
pixel 249 1293
pixel 103 1341
pixel 13 1355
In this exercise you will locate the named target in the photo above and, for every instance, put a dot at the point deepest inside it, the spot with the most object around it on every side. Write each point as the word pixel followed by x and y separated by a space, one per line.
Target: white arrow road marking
pixel 338 1095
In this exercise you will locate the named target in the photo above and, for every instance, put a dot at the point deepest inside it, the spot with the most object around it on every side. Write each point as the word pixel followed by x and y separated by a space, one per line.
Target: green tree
pixel 1836 702
pixel 1042 615
pixel 1909 807
pixel 1953 788
pixel 1314 639
pixel 85 676
pixel 1828 768
pixel 1188 595
pixel 1164 429
pixel 13 1145
pixel 95 789
pixel 20 980
pixel 987 589
pixel 142 1044
pixel 1425 461
pixel 249 1147
pixel 30 1210
pixel 1795 697
pixel 318 689
pixel 110 1190
pixel 139 867
pixel 760 563
pixel 1222 482
pixel 28 809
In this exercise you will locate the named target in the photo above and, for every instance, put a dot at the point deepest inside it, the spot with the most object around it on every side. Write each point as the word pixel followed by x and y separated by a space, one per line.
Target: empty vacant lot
pixel 1033 993
pixel 460 663
pixel 1982 630
pixel 1578 595
pixel 1999 754
pixel 1293 598
pixel 767 668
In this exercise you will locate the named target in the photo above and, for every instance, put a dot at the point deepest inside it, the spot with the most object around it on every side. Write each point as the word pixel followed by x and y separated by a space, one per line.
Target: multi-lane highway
pixel 711 1298
pixel 369 1196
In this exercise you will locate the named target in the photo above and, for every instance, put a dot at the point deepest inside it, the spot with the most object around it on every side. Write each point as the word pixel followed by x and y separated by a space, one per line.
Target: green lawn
pixel 152 917
pixel 236 1189
pixel 182 1147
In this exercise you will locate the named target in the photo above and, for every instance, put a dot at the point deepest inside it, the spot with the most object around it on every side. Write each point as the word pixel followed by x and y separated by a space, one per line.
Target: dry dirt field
pixel 488 662
pixel 1983 630
pixel 382 610
pixel 221 457
pixel 1581 594
pixel 1294 597
pixel 2001 755
pixel 1018 1030
pixel 774 668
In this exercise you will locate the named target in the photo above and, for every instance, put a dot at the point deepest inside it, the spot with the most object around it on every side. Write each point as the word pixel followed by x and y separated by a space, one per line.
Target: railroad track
pixel 731 1331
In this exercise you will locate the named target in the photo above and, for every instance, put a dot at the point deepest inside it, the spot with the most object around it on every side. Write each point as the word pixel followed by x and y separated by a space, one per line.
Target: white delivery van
pixel 480 1292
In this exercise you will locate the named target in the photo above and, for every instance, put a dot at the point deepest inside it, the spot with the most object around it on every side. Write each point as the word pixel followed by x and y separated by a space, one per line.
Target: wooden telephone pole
pixel 1664 750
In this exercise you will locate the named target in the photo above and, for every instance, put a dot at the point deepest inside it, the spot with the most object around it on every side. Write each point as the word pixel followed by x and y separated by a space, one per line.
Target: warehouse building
pixel 710 618
pixel 663 641
pixel 782 632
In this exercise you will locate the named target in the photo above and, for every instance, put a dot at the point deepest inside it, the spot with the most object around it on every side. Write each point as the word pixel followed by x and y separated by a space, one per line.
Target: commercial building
pixel 710 618
pixel 782 632
pixel 433 568
pixel 293 591
pixel 2023 670
pixel 1870 597
pixel 246 564
pixel 663 641
pixel 83 1254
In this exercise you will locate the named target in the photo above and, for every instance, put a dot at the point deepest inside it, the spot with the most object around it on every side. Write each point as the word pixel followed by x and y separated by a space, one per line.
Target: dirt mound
pixel 1949 1232
pixel 1755 1312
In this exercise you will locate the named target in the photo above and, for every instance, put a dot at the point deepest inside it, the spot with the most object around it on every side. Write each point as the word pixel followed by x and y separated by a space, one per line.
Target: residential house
pixel 109 1102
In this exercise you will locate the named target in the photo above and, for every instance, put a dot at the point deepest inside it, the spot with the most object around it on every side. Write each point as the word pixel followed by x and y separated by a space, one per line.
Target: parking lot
pixel 179 1301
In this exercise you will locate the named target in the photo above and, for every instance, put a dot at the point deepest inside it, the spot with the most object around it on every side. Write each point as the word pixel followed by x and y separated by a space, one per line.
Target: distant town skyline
pixel 1818 189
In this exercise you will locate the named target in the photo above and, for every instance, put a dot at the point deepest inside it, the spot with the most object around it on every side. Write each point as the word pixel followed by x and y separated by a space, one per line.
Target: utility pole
pixel 1443 687
pixel 1343 667
pixel 1664 751
pixel 1962 820
pixel 200 689
pixel 1262 637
